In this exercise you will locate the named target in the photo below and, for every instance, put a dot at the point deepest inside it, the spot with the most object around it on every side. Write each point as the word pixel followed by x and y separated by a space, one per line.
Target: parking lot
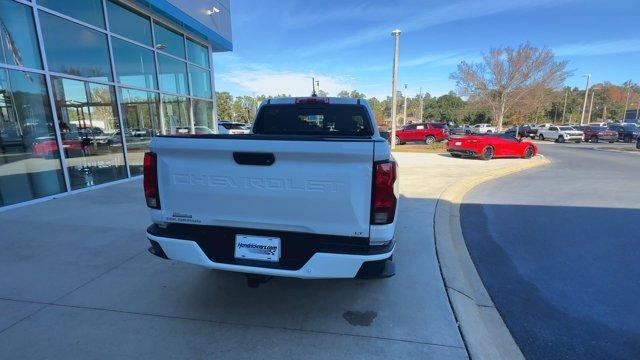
pixel 80 284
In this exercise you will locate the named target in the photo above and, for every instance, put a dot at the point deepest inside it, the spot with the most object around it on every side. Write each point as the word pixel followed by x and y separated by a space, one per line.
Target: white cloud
pixel 261 79
pixel 599 48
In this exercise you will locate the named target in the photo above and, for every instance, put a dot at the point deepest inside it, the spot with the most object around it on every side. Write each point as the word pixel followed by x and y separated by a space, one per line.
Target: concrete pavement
pixel 557 249
pixel 76 281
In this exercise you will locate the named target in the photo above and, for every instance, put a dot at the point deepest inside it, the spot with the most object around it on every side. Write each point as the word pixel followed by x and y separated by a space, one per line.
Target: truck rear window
pixel 323 120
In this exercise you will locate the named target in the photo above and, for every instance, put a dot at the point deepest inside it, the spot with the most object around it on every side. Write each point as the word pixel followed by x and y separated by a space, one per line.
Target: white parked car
pixel 483 129
pixel 312 192
pixel 560 134
pixel 232 128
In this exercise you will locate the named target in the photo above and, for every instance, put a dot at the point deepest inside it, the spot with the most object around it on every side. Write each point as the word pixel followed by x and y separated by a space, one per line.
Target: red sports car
pixel 490 146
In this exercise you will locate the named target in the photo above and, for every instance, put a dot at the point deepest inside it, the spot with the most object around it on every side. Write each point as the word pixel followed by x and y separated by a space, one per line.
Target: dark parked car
pixel 594 133
pixel 626 132
pixel 523 131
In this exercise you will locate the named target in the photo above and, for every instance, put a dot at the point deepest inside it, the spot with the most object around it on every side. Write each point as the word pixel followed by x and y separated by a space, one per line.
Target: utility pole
pixel 421 104
pixel 404 115
pixel 394 96
pixel 586 94
pixel 313 85
pixel 593 92
pixel 638 110
pixel 626 104
pixel 564 109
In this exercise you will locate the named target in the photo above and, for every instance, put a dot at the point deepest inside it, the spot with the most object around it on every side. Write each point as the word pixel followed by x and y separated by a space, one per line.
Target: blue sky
pixel 279 45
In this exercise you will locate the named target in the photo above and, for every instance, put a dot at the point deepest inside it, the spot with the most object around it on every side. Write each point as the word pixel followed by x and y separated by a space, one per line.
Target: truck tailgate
pixel 321 187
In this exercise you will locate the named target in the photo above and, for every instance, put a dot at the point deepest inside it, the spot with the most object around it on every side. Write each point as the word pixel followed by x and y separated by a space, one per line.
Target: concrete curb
pixel 485 334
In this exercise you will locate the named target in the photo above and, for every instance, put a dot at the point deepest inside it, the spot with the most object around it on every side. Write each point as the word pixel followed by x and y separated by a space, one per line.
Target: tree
pixel 224 102
pixel 343 93
pixel 322 93
pixel 507 76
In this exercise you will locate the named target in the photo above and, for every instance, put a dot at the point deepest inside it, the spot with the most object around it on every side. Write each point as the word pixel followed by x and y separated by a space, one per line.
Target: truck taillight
pixel 384 198
pixel 150 172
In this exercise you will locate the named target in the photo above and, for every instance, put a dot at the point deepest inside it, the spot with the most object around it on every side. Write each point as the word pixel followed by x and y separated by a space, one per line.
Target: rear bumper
pixel 462 152
pixel 316 260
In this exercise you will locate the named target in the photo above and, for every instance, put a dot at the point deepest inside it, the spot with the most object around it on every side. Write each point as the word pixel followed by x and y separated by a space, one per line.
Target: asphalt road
pixel 558 249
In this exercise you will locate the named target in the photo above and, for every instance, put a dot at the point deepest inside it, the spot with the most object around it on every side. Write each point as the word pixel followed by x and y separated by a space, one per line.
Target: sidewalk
pixel 76 281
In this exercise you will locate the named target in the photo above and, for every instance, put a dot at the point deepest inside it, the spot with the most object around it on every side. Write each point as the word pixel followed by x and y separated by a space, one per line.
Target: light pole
pixel 404 115
pixel 638 110
pixel 564 109
pixel 593 92
pixel 421 104
pixel 394 98
pixel 626 104
pixel 586 94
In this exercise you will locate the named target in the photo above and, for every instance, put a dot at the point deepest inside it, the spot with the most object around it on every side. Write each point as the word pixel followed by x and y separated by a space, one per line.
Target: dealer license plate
pixel 257 248
pixel 458 143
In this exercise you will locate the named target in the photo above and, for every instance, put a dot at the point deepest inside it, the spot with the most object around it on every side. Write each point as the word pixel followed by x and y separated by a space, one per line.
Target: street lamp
pixel 586 94
pixel 394 98
pixel 593 92
pixel 404 115
pixel 626 104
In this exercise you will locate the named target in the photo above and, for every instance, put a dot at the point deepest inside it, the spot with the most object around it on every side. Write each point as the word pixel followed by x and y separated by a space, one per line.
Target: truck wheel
pixel 541 137
pixel 627 139
pixel 560 139
pixel 489 132
pixel 528 153
pixel 429 140
pixel 487 153
pixel 595 139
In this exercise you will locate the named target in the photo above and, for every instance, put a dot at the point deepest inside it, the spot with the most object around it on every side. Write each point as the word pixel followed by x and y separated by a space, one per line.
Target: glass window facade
pixel 89 11
pixel 200 82
pixel 89 55
pixel 90 129
pixel 176 115
pixel 84 111
pixel 169 41
pixel 141 122
pixel 18 40
pixel 173 75
pixel 129 24
pixel 29 158
pixel 134 64
pixel 197 53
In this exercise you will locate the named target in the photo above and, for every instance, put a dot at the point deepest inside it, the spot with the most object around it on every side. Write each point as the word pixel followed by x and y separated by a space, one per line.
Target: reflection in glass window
pixel 176 115
pixel 29 158
pixel 169 41
pixel 129 24
pixel 88 120
pixel 141 122
pixel 88 57
pixel 134 64
pixel 173 75
pixel 200 82
pixel 203 116
pixel 18 41
pixel 89 11
pixel 197 53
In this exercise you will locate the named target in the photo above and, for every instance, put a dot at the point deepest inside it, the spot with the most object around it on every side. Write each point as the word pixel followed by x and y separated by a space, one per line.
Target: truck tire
pixel 541 137
pixel 560 139
pixel 628 139
pixel 487 153
pixel 595 139
pixel 638 144
pixel 429 140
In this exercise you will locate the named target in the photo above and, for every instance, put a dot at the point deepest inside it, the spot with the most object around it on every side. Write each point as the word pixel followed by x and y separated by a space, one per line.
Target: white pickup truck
pixel 311 192
pixel 483 129
pixel 560 134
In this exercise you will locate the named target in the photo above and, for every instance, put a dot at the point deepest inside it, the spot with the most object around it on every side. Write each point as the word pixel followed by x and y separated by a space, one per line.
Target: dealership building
pixel 86 84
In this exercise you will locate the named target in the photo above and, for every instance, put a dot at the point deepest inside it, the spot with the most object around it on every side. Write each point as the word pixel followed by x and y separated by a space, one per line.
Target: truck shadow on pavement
pixel 565 282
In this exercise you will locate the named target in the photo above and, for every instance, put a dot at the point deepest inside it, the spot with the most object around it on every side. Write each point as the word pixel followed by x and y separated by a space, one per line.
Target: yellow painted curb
pixel 484 332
